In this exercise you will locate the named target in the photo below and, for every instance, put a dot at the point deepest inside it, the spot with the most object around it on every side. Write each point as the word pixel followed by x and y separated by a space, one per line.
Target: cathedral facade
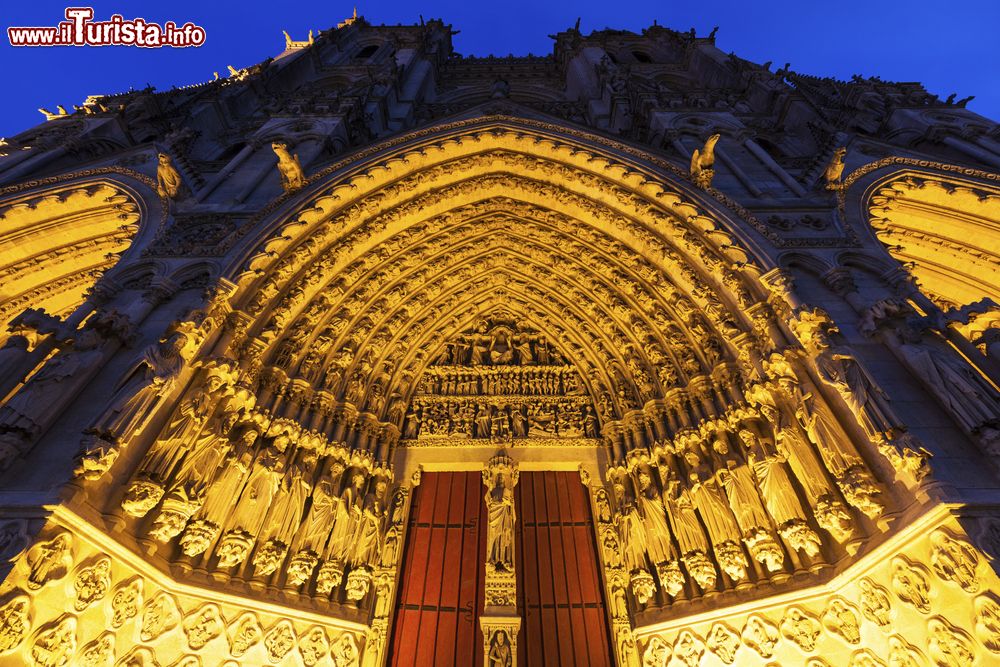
pixel 636 353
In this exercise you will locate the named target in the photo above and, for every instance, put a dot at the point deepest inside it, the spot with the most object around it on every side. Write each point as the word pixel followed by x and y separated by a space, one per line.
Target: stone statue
pixel 287 509
pixel 228 482
pixel 367 541
pixel 30 408
pixel 956 384
pixel 686 528
pixel 632 535
pixel 168 179
pixel 779 495
pixel 292 176
pixel 500 478
pixel 711 503
pixel 480 346
pixel 835 169
pixel 149 381
pixel 500 653
pixel 792 444
pixel 348 513
pixel 319 522
pixel 185 425
pixel 839 368
pixel 654 521
pixel 703 163
pixel 266 474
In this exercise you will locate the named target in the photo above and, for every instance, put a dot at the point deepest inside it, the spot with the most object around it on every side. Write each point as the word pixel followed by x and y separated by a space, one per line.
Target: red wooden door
pixel 560 596
pixel 441 588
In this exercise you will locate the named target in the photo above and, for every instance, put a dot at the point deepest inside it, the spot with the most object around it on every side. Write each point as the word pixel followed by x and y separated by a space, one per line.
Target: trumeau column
pixel 500 622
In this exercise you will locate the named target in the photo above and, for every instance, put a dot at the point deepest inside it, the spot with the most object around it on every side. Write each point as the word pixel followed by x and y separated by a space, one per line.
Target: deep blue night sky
pixel 949 46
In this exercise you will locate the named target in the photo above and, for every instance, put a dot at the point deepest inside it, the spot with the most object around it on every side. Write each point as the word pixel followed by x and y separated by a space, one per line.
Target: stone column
pixel 500 622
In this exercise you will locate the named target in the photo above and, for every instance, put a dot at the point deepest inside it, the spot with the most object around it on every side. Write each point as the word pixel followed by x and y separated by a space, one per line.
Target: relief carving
pixel 911 585
pixel 800 627
pixel 865 658
pixel 202 626
pixel 54 645
pixel 48 561
pixel 656 654
pixel 244 634
pixel 902 654
pixel 125 602
pixel 723 642
pixel 279 641
pixel 840 619
pixel 988 623
pixel 760 635
pixel 345 651
pixel 948 646
pixel 688 649
pixel 14 622
pixel 92 584
pixel 100 652
pixel 139 657
pixel 874 602
pixel 160 615
pixel 955 560
pixel 314 646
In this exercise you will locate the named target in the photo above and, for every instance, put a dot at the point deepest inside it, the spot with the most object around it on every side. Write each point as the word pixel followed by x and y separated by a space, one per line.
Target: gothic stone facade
pixel 752 313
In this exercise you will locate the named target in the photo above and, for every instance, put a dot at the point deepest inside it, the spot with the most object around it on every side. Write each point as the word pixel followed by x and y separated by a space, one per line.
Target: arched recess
pixel 944 226
pixel 57 240
pixel 361 280
pixel 634 278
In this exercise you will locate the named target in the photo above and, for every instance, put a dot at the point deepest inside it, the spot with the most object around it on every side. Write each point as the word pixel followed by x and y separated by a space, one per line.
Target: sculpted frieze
pixel 99 652
pixel 48 560
pixel 92 583
pixel 126 600
pixel 54 644
pixel 15 622
pixel 160 614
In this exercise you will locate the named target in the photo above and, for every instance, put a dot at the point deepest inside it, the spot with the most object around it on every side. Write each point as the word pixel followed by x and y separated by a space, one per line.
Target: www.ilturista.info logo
pixel 79 29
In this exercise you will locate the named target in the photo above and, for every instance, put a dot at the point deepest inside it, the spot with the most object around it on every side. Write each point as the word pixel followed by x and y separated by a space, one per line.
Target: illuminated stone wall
pixel 240 333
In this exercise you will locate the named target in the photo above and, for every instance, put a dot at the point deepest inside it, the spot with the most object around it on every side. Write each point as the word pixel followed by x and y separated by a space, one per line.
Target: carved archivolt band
pixel 55 244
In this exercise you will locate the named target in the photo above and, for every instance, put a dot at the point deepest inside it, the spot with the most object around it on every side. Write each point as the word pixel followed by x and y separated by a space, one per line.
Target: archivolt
pixel 946 227
pixel 55 243
pixel 639 286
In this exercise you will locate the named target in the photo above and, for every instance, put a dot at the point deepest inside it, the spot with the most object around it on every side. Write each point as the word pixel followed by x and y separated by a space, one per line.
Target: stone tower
pixel 637 353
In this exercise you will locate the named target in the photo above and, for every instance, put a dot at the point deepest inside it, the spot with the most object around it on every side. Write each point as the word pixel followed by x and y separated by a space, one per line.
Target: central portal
pixel 441 593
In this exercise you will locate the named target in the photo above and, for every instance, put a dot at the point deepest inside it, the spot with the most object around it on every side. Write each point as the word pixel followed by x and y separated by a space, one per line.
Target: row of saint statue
pixel 218 478
pixel 710 503
pixel 559 418
pixel 488 380
pixel 499 346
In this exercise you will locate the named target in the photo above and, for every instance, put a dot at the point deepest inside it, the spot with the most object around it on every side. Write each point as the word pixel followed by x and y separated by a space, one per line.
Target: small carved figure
pixel 168 179
pixel 500 654
pixel 292 176
pixel 149 381
pixel 835 169
pixel 703 162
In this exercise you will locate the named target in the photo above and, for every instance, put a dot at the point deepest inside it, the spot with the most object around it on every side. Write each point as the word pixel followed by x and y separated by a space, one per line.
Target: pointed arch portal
pixel 497 389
